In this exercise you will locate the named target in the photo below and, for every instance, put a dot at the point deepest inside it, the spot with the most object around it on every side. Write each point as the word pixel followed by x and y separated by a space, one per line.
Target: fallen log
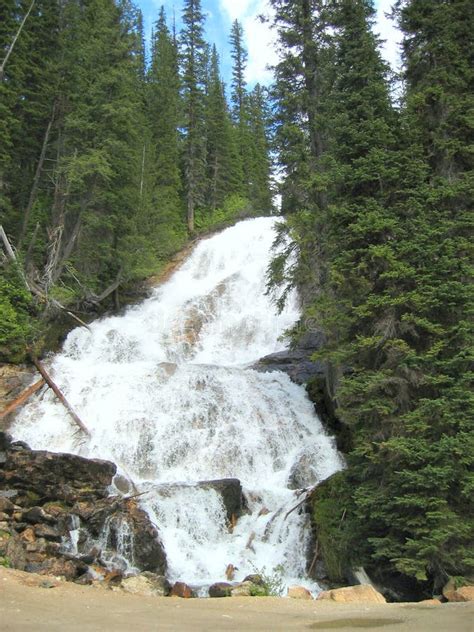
pixel 59 395
pixel 21 399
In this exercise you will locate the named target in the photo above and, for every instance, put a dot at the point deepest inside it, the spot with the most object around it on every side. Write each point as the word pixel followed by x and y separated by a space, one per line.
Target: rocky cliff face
pixel 57 517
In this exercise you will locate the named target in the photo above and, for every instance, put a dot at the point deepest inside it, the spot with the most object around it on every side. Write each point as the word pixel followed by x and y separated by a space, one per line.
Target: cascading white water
pixel 167 394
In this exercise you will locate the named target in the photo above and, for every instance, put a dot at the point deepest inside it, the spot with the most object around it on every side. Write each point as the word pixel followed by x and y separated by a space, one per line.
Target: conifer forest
pixel 116 152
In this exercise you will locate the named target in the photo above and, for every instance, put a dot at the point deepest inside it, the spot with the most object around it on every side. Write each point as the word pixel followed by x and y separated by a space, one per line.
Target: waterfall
pixel 167 393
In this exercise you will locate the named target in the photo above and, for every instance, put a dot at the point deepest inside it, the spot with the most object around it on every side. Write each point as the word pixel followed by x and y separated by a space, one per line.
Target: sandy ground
pixel 27 606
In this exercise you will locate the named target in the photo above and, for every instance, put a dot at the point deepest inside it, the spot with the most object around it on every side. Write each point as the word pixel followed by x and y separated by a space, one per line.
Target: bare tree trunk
pixel 21 399
pixel 8 249
pixel 59 395
pixel 10 49
pixel 34 189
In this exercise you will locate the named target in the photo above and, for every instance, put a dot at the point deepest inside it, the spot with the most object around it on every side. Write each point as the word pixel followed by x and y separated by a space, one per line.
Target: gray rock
pixel 295 363
pixel 230 489
pixel 220 589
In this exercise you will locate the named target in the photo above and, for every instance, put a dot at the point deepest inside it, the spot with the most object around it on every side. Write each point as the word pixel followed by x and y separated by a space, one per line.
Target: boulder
pixel 59 567
pixel 429 602
pixel 15 552
pixel 48 476
pixel 245 589
pixel 146 584
pixel 6 505
pixel 449 589
pixel 230 490
pixel 147 550
pixel 180 589
pixel 220 589
pixel 255 579
pixel 296 363
pixel 362 593
pixel 299 592
pixel 465 593
pixel 58 493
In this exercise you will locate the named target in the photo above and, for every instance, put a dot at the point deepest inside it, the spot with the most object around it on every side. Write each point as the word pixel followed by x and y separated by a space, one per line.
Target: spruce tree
pixel 193 51
pixel 220 159
pixel 164 218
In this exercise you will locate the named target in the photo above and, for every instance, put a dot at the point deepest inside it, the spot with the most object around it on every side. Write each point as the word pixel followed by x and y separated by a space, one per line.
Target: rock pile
pixel 57 518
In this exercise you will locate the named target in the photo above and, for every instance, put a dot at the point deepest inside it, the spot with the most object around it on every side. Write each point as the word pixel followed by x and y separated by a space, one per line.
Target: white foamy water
pixel 167 394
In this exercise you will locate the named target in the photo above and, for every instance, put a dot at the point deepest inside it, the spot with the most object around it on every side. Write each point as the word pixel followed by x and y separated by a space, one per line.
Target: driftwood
pixel 59 395
pixel 21 399
pixel 307 495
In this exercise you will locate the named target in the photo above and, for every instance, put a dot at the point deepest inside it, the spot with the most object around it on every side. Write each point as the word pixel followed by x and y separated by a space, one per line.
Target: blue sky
pixel 221 13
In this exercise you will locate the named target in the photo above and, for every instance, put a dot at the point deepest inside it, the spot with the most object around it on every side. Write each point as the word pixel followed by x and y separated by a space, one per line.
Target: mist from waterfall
pixel 167 393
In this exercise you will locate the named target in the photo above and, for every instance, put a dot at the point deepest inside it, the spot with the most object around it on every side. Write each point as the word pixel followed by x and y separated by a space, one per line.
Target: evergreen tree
pixel 384 208
pixel 220 157
pixel 239 57
pixel 193 78
pixel 259 166
pixel 164 219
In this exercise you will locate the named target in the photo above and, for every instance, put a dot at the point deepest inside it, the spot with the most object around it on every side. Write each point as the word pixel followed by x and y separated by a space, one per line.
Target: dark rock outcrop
pixel 230 490
pixel 45 497
pixel 220 589
pixel 296 362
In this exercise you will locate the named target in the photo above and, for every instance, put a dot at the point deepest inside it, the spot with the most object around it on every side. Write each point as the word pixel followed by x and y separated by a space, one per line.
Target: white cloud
pixel 236 9
pixel 259 38
pixel 388 31
pixel 261 46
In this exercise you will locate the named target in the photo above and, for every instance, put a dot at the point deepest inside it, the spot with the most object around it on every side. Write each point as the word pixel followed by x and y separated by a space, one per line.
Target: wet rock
pixel 353 594
pixel 146 584
pixel 147 549
pixel 220 589
pixel 14 378
pixel 230 490
pixel 299 592
pixel 296 363
pixel 303 472
pixel 180 589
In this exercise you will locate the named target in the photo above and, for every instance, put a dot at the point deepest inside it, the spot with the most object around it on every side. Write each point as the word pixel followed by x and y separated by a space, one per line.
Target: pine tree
pixel 164 218
pixel 193 78
pixel 220 158
pixel 259 166
pixel 239 57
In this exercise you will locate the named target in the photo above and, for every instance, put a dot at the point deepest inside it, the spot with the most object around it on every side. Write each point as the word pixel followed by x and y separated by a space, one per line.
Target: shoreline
pixel 30 602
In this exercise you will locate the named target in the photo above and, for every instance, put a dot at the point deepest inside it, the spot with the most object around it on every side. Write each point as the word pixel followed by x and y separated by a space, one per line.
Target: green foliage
pixel 271 583
pixel 380 200
pixel 235 207
pixel 336 532
pixel 16 324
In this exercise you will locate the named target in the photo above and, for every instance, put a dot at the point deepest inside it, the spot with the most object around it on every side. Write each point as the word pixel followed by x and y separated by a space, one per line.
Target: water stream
pixel 167 393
